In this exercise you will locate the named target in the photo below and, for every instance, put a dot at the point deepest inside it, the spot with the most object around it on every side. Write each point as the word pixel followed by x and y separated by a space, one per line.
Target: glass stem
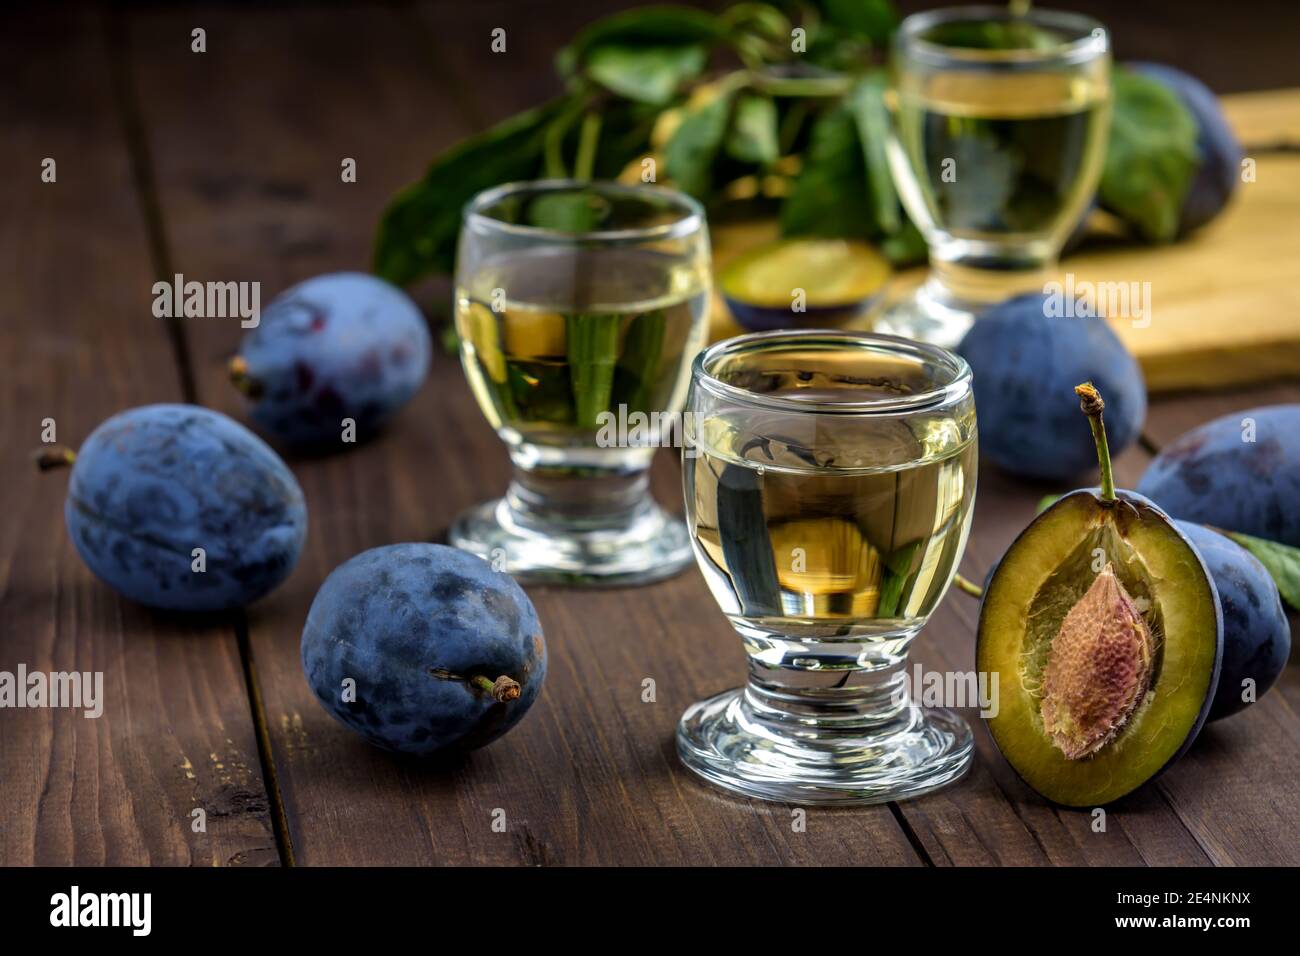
pixel 855 699
pixel 586 498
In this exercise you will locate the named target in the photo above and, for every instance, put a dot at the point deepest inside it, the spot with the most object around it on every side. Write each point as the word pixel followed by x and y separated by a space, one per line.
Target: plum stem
pixel 1091 402
pixel 970 587
pixel 54 456
pixel 588 137
pixel 502 689
pixel 242 380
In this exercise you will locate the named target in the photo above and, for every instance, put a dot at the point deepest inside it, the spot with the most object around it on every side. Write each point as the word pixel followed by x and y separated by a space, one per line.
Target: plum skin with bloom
pixel 152 484
pixel 1025 363
pixel 1240 472
pixel 413 626
pixel 1256 635
pixel 341 346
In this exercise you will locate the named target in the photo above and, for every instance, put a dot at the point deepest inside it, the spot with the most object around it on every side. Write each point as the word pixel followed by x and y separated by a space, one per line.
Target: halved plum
pixel 840 279
pixel 1103 625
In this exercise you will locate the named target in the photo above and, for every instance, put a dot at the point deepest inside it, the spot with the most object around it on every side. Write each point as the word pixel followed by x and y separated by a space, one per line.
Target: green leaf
pixel 650 74
pixel 837 49
pixel 1282 561
pixel 1046 502
pixel 873 19
pixel 761 21
pixel 829 196
pixel 906 247
pixel 867 104
pixel 752 137
pixel 1152 156
pixel 645 54
pixel 417 232
pixel 995 35
pixel 689 154
pixel 654 26
pixel 568 211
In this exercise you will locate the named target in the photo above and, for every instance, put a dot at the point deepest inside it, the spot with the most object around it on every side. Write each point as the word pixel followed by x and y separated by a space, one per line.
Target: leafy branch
pixel 776 109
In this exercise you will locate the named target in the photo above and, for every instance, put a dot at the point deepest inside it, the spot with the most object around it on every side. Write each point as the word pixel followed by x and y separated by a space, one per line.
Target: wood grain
pixel 78 341
pixel 242 148
pixel 591 776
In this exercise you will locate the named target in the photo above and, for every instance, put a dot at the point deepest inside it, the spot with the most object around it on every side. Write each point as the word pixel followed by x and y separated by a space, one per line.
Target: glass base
pixel 730 743
pixel 648 545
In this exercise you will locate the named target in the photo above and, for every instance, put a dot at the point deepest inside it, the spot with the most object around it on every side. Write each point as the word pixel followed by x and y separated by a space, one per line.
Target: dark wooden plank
pixel 591 776
pixel 1235 789
pixel 77 341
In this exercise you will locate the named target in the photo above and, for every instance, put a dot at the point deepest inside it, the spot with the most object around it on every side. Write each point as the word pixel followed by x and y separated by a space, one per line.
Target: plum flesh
pixel 1044 574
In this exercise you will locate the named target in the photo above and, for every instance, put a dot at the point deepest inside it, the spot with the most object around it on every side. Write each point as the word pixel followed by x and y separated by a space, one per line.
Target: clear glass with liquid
pixel 829 481
pixel 999 125
pixel 579 307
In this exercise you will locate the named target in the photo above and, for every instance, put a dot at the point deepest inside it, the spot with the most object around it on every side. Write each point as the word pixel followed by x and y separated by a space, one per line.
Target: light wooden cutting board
pixel 1224 304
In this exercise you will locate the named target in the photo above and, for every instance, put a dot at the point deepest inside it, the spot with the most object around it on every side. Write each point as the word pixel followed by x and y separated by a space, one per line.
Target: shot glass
pixel 999 122
pixel 579 308
pixel 829 479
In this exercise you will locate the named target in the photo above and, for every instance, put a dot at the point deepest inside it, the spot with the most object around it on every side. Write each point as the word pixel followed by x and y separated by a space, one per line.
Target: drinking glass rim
pixel 939 395
pixel 1093 41
pixel 691 221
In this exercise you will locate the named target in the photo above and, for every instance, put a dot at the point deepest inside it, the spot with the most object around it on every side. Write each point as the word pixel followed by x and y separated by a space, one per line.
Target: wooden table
pixel 225 165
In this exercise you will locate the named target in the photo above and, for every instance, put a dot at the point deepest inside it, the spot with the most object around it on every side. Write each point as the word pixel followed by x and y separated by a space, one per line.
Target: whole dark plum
pixel 1219 169
pixel 1256 635
pixel 1240 472
pixel 152 484
pixel 340 346
pixel 1025 362
pixel 444 653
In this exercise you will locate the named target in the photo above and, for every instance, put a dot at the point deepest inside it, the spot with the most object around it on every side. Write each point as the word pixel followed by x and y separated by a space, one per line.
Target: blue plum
pixel 1240 472
pixel 154 483
pixel 1219 169
pixel 1256 635
pixel 340 346
pixel 1026 361
pixel 445 654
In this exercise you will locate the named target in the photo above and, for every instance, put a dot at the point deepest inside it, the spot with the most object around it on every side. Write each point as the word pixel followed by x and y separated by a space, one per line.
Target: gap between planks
pixel 117 36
